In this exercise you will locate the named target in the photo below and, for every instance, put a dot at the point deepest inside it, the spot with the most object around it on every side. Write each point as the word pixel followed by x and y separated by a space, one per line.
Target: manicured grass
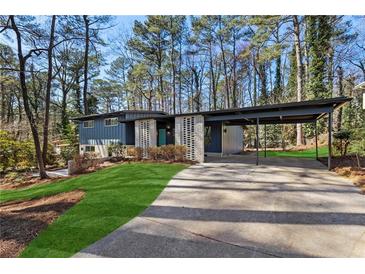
pixel 307 153
pixel 113 197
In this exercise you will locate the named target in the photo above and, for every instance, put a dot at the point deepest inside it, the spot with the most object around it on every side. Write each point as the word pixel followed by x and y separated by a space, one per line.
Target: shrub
pixel 26 156
pixel 68 153
pixel 85 161
pixel 139 153
pixel 117 150
pixel 180 152
pixel 168 152
pixel 154 153
pixel 342 141
pixel 7 150
pixel 135 152
pixel 15 154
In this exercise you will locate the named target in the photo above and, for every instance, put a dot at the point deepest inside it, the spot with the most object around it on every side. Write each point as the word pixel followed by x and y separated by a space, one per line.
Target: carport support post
pixel 329 139
pixel 316 131
pixel 257 141
pixel 265 139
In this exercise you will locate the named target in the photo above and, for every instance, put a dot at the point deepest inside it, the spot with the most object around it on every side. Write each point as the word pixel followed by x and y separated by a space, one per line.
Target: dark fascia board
pixel 333 102
pixel 286 112
pixel 115 114
pixel 156 117
pixel 318 107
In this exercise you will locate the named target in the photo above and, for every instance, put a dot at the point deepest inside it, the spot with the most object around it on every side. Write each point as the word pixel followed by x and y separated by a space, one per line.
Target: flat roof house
pixel 98 131
pixel 201 132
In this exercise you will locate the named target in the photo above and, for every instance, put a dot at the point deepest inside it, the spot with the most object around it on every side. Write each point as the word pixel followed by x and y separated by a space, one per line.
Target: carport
pixel 288 113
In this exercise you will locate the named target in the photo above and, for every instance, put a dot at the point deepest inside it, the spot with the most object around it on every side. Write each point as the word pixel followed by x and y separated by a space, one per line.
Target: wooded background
pixel 56 67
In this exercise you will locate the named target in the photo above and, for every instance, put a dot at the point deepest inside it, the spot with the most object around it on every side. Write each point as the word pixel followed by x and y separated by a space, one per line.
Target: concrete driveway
pixel 229 207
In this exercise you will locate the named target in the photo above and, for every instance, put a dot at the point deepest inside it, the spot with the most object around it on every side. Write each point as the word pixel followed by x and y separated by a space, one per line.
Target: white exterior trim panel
pixel 232 141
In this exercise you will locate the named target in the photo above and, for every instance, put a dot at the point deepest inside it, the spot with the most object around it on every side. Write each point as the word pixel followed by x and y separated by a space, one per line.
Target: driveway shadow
pixel 255 216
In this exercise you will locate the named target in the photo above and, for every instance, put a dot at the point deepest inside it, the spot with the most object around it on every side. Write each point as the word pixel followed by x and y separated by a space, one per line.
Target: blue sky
pixel 124 24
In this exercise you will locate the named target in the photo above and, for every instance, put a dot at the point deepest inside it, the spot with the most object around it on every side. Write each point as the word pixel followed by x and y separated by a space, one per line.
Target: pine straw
pixel 21 222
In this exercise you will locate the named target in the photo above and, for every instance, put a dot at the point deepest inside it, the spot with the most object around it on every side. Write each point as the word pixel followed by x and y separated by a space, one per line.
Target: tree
pixel 320 32
pixel 92 25
pixel 48 88
pixel 204 30
pixel 149 43
pixel 68 63
pixel 86 61
pixel 29 28
pixel 299 70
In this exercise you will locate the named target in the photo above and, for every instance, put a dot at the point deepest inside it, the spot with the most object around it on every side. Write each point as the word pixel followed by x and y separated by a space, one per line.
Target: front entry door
pixel 162 137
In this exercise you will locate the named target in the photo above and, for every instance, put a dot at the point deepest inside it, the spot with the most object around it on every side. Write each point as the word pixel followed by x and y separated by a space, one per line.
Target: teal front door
pixel 162 137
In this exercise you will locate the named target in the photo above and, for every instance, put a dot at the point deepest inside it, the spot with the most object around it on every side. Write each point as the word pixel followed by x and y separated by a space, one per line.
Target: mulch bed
pixel 348 166
pixel 25 181
pixel 21 222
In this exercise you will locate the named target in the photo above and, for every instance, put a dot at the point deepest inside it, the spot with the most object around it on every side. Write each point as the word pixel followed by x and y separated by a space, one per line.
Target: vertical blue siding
pixel 100 134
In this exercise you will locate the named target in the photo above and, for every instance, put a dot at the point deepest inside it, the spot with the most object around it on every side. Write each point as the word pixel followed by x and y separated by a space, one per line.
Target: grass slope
pixel 307 153
pixel 113 197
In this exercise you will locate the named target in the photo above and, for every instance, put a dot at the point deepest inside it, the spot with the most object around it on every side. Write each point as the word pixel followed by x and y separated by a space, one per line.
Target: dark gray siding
pixel 130 133
pixel 100 134
pixel 215 139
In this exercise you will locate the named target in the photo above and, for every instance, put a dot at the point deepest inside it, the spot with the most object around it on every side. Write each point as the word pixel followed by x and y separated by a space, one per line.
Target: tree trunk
pixel 212 77
pixel 234 83
pixel 254 83
pixel 340 93
pixel 24 92
pixel 226 82
pixel 64 118
pixel 172 41
pixel 180 78
pixel 298 55
pixel 48 89
pixel 3 100
pixel 263 81
pixel 78 91
pixel 196 96
pixel 86 63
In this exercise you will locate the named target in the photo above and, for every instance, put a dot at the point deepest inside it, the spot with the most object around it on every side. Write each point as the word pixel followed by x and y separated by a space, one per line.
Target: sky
pixel 124 24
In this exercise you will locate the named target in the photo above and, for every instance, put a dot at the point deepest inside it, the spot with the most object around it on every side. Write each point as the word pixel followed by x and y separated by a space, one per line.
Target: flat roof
pixel 116 114
pixel 294 112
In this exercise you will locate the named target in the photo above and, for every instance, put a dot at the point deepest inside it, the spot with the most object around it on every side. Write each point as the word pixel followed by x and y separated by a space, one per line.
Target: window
pixel 111 122
pixel 89 148
pixel 89 124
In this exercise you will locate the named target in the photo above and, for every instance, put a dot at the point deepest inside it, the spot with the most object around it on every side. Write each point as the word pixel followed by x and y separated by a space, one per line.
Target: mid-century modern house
pixel 205 132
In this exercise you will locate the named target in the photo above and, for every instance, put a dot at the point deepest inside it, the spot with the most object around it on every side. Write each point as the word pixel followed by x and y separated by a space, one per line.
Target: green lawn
pixel 307 153
pixel 113 197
